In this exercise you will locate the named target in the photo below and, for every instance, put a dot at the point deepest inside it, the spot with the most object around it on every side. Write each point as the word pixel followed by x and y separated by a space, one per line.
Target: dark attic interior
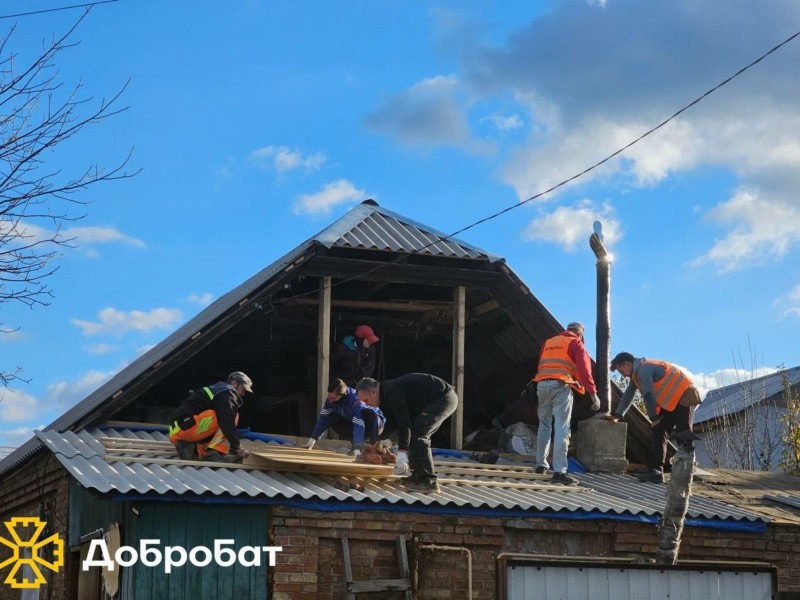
pixel 374 267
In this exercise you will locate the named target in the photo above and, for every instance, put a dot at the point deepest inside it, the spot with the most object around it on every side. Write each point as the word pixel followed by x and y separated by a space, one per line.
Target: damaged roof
pixel 83 455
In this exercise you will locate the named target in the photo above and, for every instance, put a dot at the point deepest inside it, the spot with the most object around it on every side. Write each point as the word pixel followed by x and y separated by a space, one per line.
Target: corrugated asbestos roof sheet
pixel 83 456
pixel 734 398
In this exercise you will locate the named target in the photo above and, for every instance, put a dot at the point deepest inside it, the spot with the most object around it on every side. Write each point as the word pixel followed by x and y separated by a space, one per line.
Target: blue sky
pixel 255 124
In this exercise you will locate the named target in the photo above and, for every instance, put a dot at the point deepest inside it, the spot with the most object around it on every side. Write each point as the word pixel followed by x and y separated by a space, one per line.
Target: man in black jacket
pixel 204 425
pixel 418 404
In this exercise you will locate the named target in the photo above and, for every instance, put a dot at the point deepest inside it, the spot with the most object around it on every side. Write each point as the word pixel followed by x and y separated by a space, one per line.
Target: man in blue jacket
pixel 348 416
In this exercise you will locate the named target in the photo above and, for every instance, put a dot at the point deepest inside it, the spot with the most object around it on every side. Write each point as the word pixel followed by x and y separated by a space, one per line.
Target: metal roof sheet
pixel 736 397
pixel 82 454
pixel 370 227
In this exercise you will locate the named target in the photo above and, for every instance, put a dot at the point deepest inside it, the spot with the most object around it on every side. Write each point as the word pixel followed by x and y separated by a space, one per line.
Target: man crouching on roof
pixel 204 425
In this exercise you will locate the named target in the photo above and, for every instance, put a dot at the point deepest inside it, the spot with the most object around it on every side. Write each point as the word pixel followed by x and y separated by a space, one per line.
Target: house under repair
pixel 105 470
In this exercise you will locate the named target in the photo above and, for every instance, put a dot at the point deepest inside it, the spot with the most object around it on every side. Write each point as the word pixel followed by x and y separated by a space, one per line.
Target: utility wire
pixel 568 180
pixel 49 10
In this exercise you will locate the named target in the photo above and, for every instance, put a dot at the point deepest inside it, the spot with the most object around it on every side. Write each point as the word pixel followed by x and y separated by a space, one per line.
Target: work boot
pixel 542 470
pixel 186 450
pixel 217 456
pixel 424 486
pixel 565 479
pixel 651 476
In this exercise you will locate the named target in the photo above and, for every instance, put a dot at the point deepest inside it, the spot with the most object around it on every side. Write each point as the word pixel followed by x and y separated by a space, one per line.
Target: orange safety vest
pixel 669 389
pixel 555 363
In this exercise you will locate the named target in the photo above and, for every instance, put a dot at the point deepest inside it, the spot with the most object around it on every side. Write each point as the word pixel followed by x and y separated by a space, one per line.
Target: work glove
pixel 355 453
pixel 309 444
pixel 401 463
pixel 595 403
pixel 242 452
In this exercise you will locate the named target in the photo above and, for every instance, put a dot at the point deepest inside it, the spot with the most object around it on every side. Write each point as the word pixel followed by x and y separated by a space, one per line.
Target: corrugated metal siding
pixel 620 582
pixel 382 232
pixel 734 398
pixel 82 454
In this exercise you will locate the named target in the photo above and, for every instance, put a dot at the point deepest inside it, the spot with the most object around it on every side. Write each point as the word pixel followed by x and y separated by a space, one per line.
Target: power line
pixel 49 10
pixel 574 177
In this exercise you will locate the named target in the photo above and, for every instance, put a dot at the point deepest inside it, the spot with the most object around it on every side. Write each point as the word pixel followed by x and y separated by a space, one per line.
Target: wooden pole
pixel 459 330
pixel 323 340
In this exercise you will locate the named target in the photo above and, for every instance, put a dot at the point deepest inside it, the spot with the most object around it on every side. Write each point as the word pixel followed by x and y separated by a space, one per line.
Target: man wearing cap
pixel 204 425
pixel 564 367
pixel 669 398
pixel 355 357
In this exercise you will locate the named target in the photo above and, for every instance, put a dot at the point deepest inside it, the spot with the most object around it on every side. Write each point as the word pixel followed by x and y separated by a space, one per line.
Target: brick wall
pixel 40 482
pixel 311 566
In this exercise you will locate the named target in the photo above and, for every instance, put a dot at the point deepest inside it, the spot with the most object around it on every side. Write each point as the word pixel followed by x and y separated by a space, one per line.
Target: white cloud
pixel 789 303
pixel 113 321
pixel 763 230
pixel 504 123
pixel 13 438
pixel 705 382
pixel 64 394
pixel 101 235
pixel 589 96
pixel 16 405
pixel 203 299
pixel 101 349
pixel 9 337
pixel 570 226
pixel 284 159
pixel 332 195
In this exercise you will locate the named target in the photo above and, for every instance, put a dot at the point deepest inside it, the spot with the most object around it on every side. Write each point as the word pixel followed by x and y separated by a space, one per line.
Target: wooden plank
pixel 396 305
pixel 323 340
pixel 459 330
pixel 348 571
pixel 380 585
pixel 353 469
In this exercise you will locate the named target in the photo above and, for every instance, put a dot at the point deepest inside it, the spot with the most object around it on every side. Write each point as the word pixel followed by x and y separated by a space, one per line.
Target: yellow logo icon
pixel 32 546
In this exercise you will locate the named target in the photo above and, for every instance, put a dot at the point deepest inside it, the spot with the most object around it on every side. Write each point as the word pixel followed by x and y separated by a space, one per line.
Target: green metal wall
pixel 189 525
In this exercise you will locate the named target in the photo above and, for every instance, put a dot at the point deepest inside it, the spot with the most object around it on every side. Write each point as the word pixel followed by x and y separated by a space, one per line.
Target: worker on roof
pixel 204 425
pixel 356 356
pixel 564 368
pixel 669 398
pixel 347 416
pixel 418 404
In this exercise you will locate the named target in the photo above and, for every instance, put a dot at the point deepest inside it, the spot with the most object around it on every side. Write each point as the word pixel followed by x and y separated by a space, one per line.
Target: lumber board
pixel 351 468
pixel 198 464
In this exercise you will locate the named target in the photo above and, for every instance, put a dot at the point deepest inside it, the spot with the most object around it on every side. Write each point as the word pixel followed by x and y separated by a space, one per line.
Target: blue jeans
pixel 555 404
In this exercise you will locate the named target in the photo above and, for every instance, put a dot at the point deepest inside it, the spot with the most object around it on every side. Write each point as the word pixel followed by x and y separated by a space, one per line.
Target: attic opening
pixel 276 344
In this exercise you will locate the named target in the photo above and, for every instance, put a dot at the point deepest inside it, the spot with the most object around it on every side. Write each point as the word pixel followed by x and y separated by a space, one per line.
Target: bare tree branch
pixel 37 115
